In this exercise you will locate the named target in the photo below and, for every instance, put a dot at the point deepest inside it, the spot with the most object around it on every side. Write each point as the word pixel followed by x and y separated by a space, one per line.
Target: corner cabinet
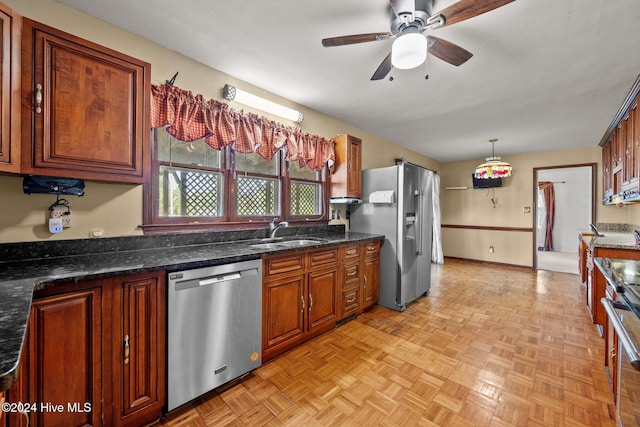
pixel 346 179
pixel 299 298
pixel 10 28
pixel 94 354
pixel 86 108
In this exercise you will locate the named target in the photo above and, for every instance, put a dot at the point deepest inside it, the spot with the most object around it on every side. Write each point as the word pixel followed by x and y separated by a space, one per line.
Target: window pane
pixel 257 196
pixel 295 171
pixel 192 153
pixel 186 192
pixel 305 198
pixel 253 163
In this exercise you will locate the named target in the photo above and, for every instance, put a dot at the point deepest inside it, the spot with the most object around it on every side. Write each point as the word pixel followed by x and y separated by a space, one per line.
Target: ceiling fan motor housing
pixel 422 12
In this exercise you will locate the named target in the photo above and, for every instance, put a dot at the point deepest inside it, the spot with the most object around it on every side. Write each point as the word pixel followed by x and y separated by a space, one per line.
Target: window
pixel 195 185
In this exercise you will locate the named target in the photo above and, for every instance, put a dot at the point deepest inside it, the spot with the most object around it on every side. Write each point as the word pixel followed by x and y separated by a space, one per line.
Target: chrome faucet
pixel 273 227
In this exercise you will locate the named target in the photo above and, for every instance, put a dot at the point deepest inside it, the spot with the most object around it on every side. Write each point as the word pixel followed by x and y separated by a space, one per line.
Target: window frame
pixel 155 223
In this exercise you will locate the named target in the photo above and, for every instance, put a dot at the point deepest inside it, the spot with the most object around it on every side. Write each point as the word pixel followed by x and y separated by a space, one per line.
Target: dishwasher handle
pixel 214 279
pixel 218 279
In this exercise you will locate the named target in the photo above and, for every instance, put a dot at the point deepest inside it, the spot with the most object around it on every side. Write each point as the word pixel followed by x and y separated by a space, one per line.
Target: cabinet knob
pixel 38 98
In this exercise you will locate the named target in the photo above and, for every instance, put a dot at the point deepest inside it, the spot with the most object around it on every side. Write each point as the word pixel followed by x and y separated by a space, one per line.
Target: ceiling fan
pixel 409 20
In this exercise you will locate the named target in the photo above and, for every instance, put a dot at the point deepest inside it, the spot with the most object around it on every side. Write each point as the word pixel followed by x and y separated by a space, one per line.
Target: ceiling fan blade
pixel 448 52
pixel 383 69
pixel 355 38
pixel 465 9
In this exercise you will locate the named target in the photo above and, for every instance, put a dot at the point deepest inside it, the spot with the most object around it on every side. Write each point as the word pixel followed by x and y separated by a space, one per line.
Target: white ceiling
pixel 545 75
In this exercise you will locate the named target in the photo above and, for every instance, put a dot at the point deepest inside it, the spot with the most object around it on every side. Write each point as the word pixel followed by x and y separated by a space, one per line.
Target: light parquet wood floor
pixel 490 346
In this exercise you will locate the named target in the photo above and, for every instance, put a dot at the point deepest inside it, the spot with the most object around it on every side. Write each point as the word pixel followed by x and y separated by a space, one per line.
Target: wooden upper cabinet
pixel 346 180
pixel 85 108
pixel 10 27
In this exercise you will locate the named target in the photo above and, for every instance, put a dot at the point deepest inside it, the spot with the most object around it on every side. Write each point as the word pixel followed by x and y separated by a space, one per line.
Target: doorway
pixel 564 205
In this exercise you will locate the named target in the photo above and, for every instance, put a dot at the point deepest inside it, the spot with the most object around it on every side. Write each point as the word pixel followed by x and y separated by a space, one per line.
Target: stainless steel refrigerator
pixel 397 203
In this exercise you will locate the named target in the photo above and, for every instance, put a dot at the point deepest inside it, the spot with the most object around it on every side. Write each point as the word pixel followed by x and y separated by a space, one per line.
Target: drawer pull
pixel 126 349
pixel 371 248
pixel 351 252
pixel 351 300
pixel 38 98
pixel 353 273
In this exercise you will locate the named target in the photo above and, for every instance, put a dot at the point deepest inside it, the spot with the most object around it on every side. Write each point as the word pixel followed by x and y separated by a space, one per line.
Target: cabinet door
pixel 354 174
pixel 611 357
pixel 86 108
pixel 322 306
pixel 138 350
pixel 61 362
pixel 607 172
pixel 284 303
pixel 346 179
pixel 9 90
pixel 371 282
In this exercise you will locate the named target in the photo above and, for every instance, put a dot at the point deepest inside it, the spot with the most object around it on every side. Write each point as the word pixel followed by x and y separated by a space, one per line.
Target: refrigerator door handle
pixel 419 196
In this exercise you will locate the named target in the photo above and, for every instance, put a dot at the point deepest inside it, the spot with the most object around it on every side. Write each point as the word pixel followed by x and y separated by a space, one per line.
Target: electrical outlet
pixel 62 212
pixel 491 250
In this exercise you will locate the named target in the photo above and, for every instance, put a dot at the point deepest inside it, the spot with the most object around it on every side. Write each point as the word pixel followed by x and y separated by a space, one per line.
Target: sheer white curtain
pixel 436 245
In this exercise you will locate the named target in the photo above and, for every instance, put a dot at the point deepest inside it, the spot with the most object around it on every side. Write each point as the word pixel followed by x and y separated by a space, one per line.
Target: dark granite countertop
pixel 26 267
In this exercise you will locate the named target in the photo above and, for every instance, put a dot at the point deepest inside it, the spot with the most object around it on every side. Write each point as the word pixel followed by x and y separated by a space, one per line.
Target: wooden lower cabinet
pixel 94 354
pixel 299 298
pixel 611 348
pixel 138 345
pixel 371 276
pixel 360 286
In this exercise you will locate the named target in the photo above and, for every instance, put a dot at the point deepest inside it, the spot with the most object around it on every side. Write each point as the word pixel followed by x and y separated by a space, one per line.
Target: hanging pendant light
pixel 494 167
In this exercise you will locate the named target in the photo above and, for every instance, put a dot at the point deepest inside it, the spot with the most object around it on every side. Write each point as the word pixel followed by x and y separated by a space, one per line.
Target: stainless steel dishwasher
pixel 214 328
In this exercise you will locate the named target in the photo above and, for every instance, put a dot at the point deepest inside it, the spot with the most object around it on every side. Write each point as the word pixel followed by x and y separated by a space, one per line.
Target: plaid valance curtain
pixel 190 117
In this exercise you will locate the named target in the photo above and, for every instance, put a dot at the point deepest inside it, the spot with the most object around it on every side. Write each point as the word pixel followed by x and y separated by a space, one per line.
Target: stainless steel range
pixel 214 329
pixel 624 315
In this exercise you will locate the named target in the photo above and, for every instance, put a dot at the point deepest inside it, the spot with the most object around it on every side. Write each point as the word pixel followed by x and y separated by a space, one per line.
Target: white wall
pixel 573 205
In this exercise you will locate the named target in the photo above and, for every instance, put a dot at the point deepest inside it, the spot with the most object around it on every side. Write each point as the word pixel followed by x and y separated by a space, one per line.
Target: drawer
pixel 289 263
pixel 371 248
pixel 350 302
pixel 323 258
pixel 351 251
pixel 351 276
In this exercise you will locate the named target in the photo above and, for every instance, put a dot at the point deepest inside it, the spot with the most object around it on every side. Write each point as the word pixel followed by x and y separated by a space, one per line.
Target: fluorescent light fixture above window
pixel 231 93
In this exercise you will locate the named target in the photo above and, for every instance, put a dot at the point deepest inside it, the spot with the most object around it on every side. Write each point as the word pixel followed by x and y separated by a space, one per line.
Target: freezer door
pixel 407 234
pixel 425 232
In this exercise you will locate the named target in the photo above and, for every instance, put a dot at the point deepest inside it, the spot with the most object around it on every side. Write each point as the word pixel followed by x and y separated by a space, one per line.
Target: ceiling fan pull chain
pixel 426 66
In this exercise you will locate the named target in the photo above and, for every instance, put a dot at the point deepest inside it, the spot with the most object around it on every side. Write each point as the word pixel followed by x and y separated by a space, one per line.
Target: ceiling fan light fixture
pixel 409 51
pixel 494 167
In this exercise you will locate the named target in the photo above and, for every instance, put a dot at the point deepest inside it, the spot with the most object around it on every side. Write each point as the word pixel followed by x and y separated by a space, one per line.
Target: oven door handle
pixel 628 344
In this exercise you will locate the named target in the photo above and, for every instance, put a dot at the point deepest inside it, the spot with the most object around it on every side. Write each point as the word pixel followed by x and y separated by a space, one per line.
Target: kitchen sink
pixel 301 242
pixel 266 245
pixel 278 243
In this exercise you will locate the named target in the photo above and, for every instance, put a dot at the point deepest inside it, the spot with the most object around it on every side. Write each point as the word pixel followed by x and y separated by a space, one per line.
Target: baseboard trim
pixel 479 261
